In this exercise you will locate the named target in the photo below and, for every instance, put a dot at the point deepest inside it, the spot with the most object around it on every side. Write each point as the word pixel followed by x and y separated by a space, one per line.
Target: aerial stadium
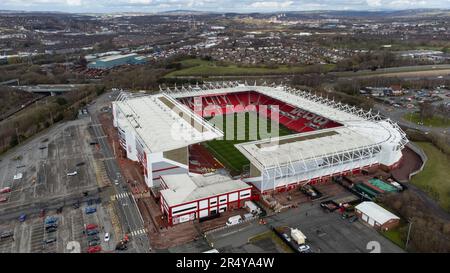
pixel 208 148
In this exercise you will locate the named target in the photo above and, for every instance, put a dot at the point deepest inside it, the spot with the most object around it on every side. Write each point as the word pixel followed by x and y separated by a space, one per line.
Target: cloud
pixel 217 5
pixel 374 3
pixel 271 4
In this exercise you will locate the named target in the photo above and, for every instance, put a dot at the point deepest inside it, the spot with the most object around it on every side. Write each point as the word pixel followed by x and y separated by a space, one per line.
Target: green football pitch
pixel 239 128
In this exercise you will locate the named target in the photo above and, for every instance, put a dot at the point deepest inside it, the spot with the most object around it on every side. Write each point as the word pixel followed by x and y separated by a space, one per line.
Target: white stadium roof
pixel 162 123
pixel 182 188
pixel 281 151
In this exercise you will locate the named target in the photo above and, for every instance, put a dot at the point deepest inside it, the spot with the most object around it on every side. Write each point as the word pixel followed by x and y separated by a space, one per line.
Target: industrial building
pixel 109 62
pixel 376 216
pixel 185 198
pixel 330 139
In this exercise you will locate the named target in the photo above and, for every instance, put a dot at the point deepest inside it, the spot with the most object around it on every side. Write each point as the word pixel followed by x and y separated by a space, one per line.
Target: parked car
pixel 72 173
pixel 50 220
pixel 50 240
pixel 94 243
pixel 91 226
pixel 50 230
pixel 354 218
pixel 106 237
pixel 93 238
pixel 3 199
pixel 22 217
pixel 287 237
pixel 90 210
pixel 304 248
pixel 51 226
pixel 94 249
pixel 92 232
pixel 5 190
pixel 6 234
pixel 234 220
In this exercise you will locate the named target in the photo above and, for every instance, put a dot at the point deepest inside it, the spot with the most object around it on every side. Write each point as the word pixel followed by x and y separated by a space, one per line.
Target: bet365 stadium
pixel 321 138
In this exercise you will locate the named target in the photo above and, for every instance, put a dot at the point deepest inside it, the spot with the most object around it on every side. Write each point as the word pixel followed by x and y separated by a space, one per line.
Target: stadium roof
pixel 269 153
pixel 374 211
pixel 182 188
pixel 361 129
pixel 162 123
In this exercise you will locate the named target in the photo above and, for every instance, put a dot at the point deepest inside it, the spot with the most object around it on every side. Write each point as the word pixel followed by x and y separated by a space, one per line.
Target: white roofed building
pixel 376 216
pixel 185 197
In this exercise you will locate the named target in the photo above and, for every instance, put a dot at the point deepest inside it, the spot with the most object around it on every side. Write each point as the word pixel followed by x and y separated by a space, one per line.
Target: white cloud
pixel 271 4
pixel 373 3
pixel 218 5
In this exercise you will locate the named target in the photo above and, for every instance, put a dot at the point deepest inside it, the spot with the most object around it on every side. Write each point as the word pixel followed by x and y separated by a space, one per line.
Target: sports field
pixel 242 127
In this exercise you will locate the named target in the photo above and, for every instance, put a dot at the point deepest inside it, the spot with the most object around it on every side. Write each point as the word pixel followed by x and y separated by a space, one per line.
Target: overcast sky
pixel 215 5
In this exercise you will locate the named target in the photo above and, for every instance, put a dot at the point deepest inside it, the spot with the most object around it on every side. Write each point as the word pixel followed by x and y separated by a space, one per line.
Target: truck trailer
pixel 298 236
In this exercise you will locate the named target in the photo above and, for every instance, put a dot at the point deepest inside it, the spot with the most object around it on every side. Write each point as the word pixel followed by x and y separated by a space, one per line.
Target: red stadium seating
pixel 292 117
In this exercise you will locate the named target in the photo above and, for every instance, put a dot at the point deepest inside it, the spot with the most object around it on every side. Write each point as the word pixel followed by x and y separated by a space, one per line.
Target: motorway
pixel 129 214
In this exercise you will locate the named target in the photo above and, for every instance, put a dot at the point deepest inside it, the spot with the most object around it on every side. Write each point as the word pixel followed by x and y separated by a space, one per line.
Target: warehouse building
pixel 116 60
pixel 376 216
pixel 186 198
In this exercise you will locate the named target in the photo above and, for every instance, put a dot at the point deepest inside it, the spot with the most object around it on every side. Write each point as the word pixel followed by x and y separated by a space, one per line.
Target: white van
pixel 252 208
pixel 234 220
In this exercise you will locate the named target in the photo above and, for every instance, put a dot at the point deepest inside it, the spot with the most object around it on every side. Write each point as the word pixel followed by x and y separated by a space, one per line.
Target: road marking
pixel 120 195
pixel 138 232
pixel 108 158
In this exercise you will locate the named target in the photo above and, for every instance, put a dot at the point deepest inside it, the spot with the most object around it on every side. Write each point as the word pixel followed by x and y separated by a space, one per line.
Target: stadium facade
pixel 330 138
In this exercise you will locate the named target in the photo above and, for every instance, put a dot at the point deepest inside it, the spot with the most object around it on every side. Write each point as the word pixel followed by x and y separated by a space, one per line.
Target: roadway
pixel 129 214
